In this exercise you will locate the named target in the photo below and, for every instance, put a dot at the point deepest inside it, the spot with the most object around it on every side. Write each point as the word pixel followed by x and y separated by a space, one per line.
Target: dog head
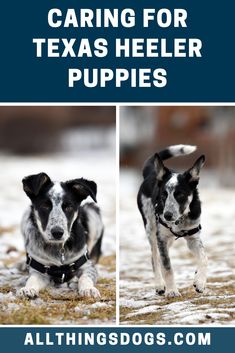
pixel 56 204
pixel 177 193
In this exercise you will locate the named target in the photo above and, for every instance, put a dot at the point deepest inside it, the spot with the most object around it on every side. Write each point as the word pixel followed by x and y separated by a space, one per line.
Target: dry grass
pixel 219 302
pixel 7 229
pixel 56 307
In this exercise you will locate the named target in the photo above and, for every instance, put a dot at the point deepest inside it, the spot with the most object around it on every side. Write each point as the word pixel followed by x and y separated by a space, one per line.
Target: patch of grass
pixel 10 229
pixel 103 313
pixel 25 316
pixel 220 279
pixel 147 319
pixel 107 289
pixel 6 289
pixel 216 301
pixel 57 307
pixel 9 261
pixel 109 262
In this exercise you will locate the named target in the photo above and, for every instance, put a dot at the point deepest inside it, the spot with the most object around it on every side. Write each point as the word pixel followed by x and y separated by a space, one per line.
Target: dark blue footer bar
pixel 103 339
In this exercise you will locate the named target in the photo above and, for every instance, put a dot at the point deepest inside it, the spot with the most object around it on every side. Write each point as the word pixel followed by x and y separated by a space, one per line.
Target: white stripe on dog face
pixel 171 205
pixel 56 191
pixel 57 217
pixel 172 182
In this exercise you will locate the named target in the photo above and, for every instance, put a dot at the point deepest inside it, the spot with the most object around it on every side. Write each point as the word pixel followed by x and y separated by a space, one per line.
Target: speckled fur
pixel 174 198
pixel 81 227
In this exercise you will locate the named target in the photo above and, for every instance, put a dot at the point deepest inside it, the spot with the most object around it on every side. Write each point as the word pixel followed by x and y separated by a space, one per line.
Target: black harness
pixel 182 233
pixel 59 274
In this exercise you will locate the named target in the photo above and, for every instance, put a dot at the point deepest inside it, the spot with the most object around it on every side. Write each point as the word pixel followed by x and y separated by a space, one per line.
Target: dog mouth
pixel 55 241
pixel 174 221
pixel 180 220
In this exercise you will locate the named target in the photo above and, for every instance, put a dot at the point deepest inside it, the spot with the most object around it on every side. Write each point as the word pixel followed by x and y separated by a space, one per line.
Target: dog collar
pixel 59 274
pixel 182 233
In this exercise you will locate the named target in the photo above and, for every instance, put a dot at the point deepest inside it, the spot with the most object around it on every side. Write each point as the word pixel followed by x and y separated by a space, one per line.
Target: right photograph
pixel 177 215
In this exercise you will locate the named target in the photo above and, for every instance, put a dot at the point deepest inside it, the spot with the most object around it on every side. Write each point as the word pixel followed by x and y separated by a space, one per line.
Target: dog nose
pixel 168 216
pixel 57 232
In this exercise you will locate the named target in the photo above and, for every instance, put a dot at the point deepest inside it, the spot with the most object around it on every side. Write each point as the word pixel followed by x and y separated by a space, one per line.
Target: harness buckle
pixel 29 260
pixel 46 268
pixel 72 267
pixel 86 256
pixel 62 278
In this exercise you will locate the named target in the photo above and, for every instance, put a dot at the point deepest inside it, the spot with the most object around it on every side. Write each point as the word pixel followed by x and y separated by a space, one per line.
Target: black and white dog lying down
pixel 170 207
pixel 62 237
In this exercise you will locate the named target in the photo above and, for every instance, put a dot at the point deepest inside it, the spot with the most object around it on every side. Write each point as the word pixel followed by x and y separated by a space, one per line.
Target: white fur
pixel 168 275
pixel 95 227
pixel 173 181
pixel 171 205
pixel 34 284
pixel 151 232
pixel 180 150
pixel 57 217
pixel 56 190
pixel 86 287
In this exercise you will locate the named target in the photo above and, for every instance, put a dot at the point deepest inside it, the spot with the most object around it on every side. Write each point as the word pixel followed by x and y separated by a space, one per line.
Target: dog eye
pixel 67 207
pixel 179 196
pixel 164 194
pixel 45 205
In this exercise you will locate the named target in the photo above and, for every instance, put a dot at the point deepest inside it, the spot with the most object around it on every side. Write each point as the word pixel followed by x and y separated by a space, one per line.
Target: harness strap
pixel 183 233
pixel 59 274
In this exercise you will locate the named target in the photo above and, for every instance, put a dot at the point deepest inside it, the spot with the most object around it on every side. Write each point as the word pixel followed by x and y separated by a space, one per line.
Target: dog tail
pixel 169 152
pixel 176 151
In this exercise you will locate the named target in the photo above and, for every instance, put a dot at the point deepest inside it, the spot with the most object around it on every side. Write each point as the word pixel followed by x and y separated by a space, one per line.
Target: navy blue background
pixel 222 340
pixel 25 78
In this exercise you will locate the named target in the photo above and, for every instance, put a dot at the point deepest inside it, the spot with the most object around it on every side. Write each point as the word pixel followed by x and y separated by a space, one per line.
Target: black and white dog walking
pixel 170 207
pixel 62 237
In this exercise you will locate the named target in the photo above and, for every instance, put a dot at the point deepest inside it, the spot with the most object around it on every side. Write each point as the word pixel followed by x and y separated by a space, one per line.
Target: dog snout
pixel 57 232
pixel 168 216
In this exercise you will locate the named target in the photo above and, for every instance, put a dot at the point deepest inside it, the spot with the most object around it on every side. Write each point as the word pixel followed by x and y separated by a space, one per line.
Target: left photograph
pixel 57 215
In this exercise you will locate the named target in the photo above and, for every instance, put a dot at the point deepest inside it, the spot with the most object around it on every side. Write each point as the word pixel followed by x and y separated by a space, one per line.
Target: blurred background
pixel 65 142
pixel 145 130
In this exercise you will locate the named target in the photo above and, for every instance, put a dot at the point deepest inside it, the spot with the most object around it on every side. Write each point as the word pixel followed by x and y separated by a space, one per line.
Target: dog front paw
pixel 199 282
pixel 30 293
pixel 91 292
pixel 172 293
pixel 199 285
pixel 160 290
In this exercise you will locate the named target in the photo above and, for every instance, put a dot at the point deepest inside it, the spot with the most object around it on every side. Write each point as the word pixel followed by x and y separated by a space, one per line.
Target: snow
pixel 137 292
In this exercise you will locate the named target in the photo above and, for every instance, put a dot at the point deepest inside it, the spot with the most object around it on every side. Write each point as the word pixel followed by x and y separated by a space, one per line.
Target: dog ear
pixel 33 184
pixel 83 188
pixel 195 170
pixel 160 169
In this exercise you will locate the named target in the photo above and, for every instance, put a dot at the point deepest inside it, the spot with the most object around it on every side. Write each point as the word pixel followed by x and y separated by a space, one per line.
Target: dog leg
pixel 87 280
pixel 34 284
pixel 196 247
pixel 159 282
pixel 147 211
pixel 167 271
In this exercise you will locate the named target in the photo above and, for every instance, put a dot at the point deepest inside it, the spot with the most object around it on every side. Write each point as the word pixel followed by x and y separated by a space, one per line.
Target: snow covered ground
pixel 94 161
pixel 138 302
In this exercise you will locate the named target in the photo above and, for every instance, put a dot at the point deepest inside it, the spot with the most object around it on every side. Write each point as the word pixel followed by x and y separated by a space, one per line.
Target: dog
pixel 170 207
pixel 62 237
